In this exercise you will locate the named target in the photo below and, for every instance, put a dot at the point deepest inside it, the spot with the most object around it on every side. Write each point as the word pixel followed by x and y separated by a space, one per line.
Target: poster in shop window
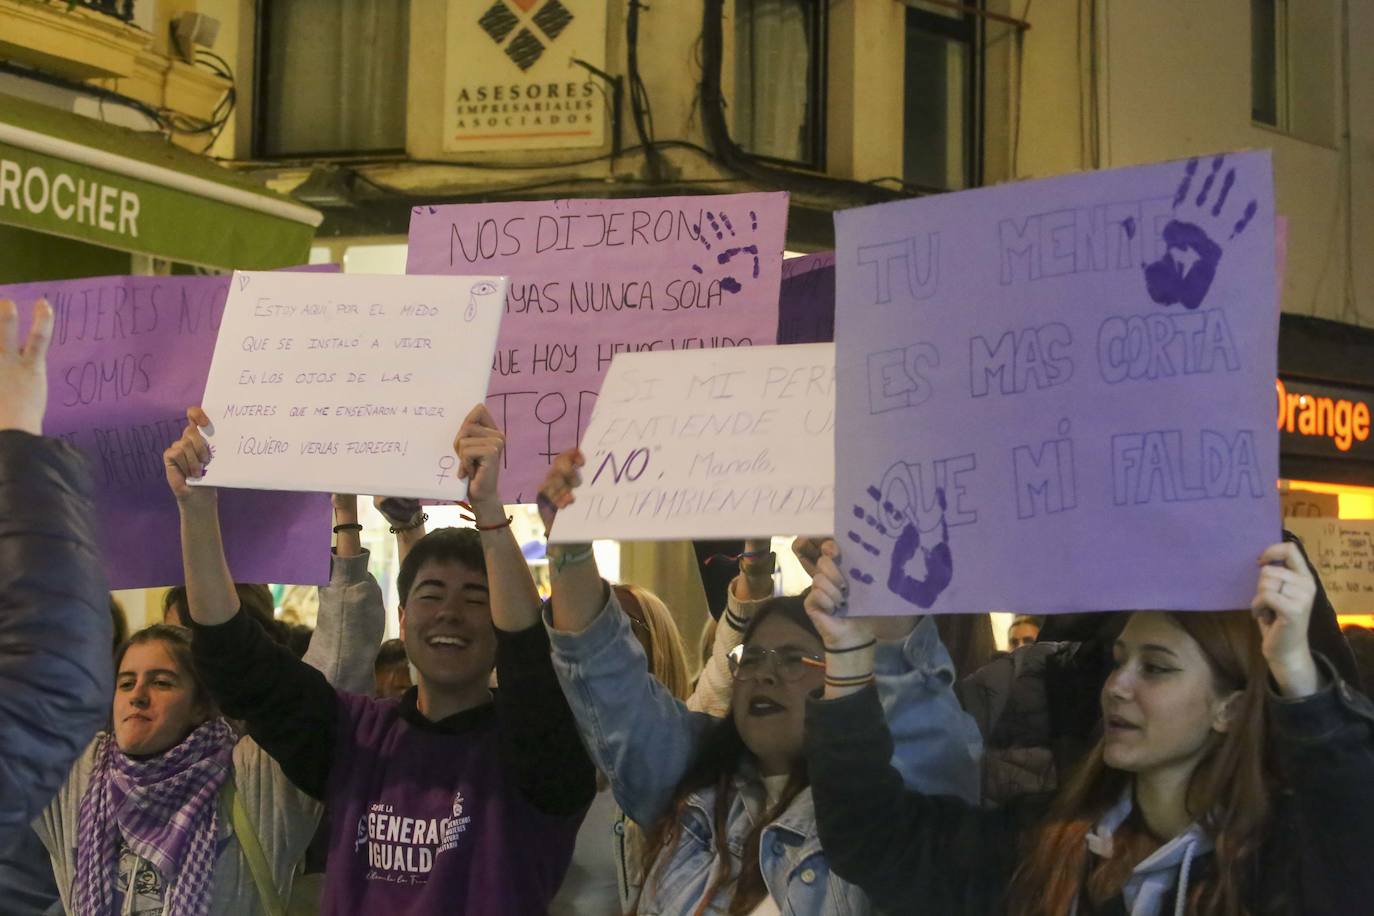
pixel 510 80
pixel 1058 395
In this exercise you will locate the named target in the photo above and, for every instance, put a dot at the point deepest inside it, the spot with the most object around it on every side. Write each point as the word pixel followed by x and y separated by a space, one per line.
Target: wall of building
pixel 1173 80
pixel 1092 83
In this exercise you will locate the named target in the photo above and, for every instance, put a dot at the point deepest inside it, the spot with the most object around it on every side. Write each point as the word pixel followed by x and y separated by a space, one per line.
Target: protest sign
pixel 709 444
pixel 806 302
pixel 1343 552
pixel 1058 395
pixel 348 384
pixel 592 278
pixel 1306 504
pixel 128 356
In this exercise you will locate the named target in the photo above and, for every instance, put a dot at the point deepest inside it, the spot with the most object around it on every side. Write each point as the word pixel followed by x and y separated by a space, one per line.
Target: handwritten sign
pixel 806 302
pixel 1305 504
pixel 1343 552
pixel 128 356
pixel 1057 395
pixel 348 384
pixel 593 278
pixel 710 444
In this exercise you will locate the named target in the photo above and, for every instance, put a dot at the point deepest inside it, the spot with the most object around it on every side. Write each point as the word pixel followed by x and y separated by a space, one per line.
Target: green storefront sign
pixel 65 175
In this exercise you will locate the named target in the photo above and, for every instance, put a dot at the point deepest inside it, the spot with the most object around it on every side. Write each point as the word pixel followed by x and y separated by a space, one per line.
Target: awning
pixel 72 176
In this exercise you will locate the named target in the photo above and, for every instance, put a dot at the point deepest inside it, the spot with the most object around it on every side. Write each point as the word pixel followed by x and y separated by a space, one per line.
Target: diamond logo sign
pixel 524 50
pixel 520 74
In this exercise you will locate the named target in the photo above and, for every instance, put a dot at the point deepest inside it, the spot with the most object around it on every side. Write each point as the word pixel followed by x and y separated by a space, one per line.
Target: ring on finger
pixel 1281 585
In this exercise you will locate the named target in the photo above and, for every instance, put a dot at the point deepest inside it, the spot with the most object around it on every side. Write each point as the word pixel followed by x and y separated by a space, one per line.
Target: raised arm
pixel 748 590
pixel 56 676
pixel 1323 732
pixel 288 705
pixel 407 518
pixel 897 844
pixel 937 746
pixel 514 597
pixel 539 737
pixel 352 616
pixel 639 735
pixel 579 593
pixel 896 841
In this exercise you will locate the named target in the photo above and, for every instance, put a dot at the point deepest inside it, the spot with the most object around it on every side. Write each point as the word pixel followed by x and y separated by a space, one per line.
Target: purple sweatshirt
pixel 426 818
pixel 476 813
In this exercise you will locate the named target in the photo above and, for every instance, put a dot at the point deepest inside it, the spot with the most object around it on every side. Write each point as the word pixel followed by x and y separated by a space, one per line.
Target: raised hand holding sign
pixel 1041 428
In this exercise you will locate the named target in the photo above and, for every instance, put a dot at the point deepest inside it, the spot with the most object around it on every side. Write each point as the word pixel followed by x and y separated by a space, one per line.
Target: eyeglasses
pixel 747 663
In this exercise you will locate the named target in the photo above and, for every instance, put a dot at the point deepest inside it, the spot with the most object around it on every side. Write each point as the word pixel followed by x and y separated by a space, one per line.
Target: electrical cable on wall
pixel 640 109
pixel 841 191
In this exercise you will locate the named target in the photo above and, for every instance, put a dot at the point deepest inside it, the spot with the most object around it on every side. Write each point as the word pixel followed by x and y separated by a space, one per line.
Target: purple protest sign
pixel 1058 395
pixel 806 302
pixel 592 278
pixel 128 356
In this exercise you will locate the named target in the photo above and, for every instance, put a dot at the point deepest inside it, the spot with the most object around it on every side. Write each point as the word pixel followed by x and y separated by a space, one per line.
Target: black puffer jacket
pixel 56 673
pixel 1038 707
pixel 915 853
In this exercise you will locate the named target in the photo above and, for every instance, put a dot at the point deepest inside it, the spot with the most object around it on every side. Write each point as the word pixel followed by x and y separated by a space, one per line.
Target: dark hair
pixel 1361 641
pixel 968 639
pixel 717 760
pixel 178 643
pixel 297 637
pixel 255 600
pixel 442 545
pixel 391 652
pixel 119 623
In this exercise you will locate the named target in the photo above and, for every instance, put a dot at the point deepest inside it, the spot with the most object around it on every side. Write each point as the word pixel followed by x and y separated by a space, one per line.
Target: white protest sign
pixel 709 444
pixel 348 384
pixel 1343 552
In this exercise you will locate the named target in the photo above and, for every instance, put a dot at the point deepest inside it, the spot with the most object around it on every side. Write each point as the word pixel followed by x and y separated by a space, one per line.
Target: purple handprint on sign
pixel 1189 265
pixel 919 587
pixel 720 225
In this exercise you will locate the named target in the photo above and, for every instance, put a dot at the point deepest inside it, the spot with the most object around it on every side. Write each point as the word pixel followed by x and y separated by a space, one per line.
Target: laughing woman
pixel 725 803
pixel 1235 776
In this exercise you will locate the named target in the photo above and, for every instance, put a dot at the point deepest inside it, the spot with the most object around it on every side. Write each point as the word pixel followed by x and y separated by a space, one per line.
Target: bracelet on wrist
pixel 347 526
pixel 854 680
pixel 418 519
pixel 498 526
pixel 758 565
pixel 866 645
pixel 563 557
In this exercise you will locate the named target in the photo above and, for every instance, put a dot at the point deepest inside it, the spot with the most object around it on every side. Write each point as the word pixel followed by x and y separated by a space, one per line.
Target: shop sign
pixel 1324 420
pixel 54 196
pixel 518 74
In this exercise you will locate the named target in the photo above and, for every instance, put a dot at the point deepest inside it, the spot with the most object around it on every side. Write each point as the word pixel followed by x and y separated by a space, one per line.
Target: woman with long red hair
pixel 1235 775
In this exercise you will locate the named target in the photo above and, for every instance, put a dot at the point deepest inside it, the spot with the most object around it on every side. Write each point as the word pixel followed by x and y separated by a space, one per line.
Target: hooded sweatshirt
pixel 1159 884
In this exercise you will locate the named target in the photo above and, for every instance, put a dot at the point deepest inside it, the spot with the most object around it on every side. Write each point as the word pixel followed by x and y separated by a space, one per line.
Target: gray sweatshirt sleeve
pixel 349 628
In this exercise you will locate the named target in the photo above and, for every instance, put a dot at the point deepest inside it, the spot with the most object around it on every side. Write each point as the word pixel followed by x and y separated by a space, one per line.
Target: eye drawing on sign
pixel 479 290
pixel 1185 272
pixel 720 225
pixel 922 588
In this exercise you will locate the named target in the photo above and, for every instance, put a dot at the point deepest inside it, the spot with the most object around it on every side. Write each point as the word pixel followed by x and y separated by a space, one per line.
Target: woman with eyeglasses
pixel 726 802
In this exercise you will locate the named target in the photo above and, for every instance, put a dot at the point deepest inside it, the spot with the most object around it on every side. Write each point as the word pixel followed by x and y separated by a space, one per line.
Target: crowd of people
pixel 510 755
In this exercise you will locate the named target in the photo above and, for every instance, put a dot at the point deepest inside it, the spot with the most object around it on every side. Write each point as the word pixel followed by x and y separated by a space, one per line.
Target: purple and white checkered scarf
pixel 166 811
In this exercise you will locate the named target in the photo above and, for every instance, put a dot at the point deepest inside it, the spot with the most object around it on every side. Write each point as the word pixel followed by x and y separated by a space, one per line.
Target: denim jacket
pixel 643 740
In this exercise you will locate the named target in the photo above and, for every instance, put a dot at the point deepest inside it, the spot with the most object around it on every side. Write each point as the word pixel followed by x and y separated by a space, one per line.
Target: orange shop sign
pixel 1340 416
